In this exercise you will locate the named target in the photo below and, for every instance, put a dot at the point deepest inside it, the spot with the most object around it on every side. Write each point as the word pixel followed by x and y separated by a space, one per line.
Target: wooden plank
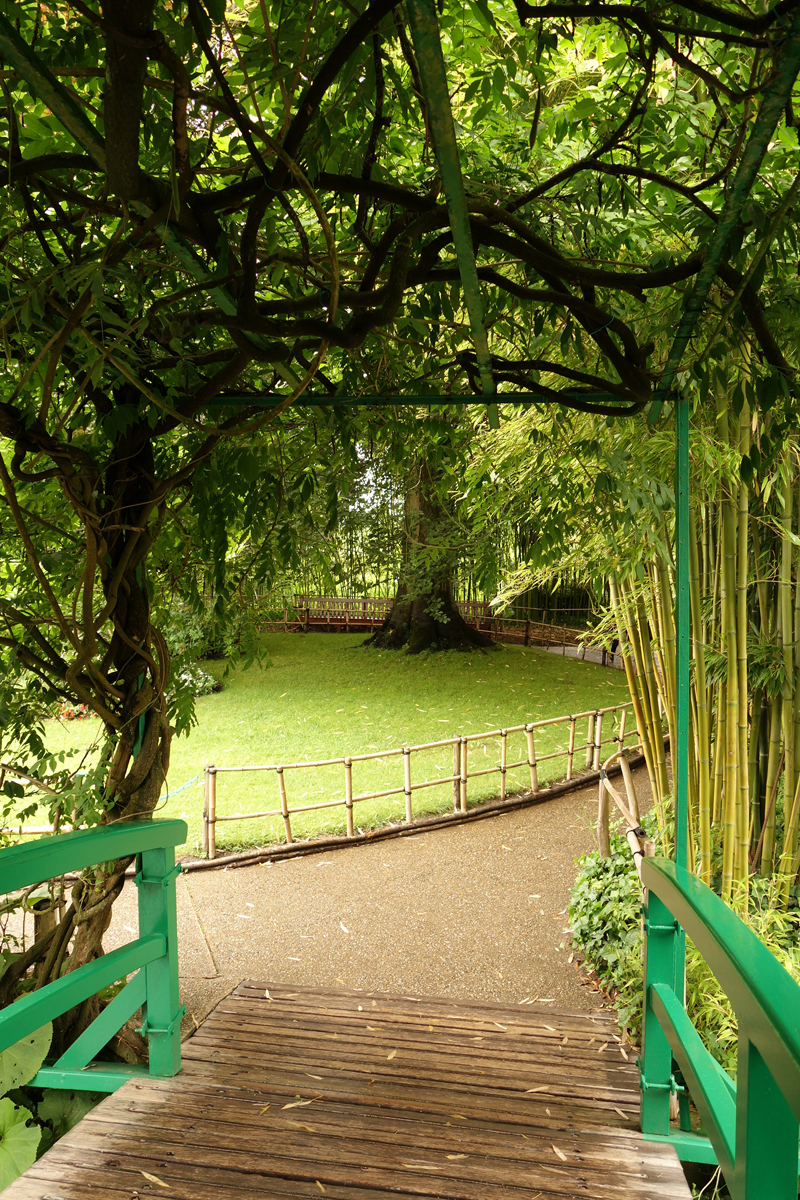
pixel 290 1092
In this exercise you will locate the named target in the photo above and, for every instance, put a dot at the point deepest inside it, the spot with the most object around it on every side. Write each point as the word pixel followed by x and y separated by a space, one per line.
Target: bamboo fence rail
pixel 590 751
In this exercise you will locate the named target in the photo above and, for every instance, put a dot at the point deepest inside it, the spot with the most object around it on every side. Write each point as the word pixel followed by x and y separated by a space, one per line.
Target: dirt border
pixel 493 808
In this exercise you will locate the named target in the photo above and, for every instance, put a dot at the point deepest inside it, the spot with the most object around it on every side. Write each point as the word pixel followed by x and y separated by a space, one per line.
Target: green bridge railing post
pixel 149 962
pixel 155 879
pixel 766 1131
pixel 661 947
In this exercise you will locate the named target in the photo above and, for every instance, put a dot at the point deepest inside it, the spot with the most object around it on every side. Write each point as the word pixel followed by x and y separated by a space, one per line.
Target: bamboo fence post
pixel 532 759
pixel 589 741
pixel 603 836
pixel 456 775
pixel 564 642
pixel 503 761
pixel 284 806
pixel 462 783
pixel 212 811
pixel 527 633
pixel 285 619
pixel 598 735
pixel 407 783
pixel 621 735
pixel 571 751
pixel 348 795
pixel 205 810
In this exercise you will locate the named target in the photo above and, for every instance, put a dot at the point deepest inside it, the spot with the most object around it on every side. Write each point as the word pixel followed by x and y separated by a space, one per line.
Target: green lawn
pixel 323 696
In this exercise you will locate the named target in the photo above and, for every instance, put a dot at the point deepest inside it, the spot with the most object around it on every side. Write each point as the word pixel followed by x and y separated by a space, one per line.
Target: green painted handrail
pixel 49 857
pixel 153 955
pixel 753 1126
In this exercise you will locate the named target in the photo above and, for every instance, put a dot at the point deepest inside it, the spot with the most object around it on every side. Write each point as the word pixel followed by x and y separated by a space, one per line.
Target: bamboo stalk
pixel 743 815
pixel 598 740
pixel 287 821
pixel 532 759
pixel 571 750
pixel 212 811
pixel 773 770
pixel 348 795
pixel 205 811
pixel 603 834
pixel 456 775
pixel 630 788
pixel 730 649
pixel 633 688
pixel 407 783
pixel 702 722
pixel 589 741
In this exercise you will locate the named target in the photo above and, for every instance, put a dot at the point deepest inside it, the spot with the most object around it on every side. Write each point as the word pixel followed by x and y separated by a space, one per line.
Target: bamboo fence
pixel 589 753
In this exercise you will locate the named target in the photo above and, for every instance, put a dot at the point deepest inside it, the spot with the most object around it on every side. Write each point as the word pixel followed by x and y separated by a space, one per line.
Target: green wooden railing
pixel 752 1125
pixel 153 955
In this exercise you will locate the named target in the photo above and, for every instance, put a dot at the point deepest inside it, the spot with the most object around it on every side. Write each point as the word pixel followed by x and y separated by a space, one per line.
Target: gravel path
pixel 476 911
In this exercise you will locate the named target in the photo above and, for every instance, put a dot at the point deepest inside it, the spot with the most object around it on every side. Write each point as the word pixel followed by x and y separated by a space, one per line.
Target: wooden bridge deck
pixel 290 1091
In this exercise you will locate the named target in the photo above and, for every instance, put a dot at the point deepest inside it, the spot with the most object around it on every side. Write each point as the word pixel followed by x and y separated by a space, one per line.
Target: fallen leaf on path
pixel 602 1048
pixel 622 1052
pixel 458 1116
pixel 312 1076
pixel 503 1027
pixel 388 1056
pixel 344 927
pixel 155 1179
pixel 264 1109
pixel 266 994
pixel 550 1027
pixel 622 1114
pixel 560 1154
pixel 453 1157
pixel 541 1088
pixel 420 1167
pixel 297 1104
pixel 319 1185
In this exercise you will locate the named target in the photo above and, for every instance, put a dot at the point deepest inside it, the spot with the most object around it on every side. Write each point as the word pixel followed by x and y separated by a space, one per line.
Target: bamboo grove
pixel 745 690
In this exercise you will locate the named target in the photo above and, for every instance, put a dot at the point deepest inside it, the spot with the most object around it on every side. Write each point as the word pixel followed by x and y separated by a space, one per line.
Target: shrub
pixel 605 920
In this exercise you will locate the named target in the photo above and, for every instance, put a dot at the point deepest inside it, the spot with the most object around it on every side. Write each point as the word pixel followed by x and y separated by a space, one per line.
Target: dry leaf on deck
pixel 310 1076
pixel 264 1109
pixel 388 1056
pixel 420 1167
pixel 155 1179
pixel 622 1114
pixel 319 1185
pixel 297 1104
pixel 541 1088
pixel 560 1154
pixel 622 1052
pixel 453 1157
pixel 602 1048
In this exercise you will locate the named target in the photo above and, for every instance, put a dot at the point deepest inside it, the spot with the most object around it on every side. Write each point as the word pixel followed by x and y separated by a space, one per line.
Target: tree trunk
pixel 424 615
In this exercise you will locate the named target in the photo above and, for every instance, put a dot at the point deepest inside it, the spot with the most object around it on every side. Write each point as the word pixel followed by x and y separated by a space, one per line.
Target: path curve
pixel 472 912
